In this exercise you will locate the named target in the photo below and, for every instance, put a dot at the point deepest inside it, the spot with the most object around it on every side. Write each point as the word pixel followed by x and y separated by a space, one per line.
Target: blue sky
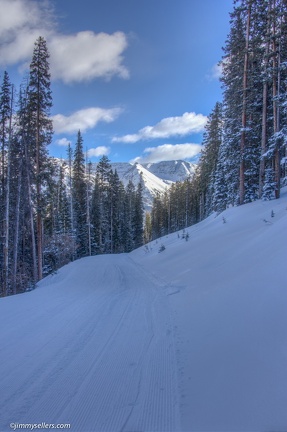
pixel 137 77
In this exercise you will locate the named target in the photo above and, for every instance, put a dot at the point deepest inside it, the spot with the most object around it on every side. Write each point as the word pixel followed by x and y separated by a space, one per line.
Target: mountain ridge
pixel 157 177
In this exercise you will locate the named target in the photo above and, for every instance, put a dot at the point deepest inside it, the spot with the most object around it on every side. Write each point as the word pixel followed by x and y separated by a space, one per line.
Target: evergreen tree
pixel 212 140
pixel 138 223
pixel 96 207
pixel 147 228
pixel 79 199
pixel 103 176
pixel 6 101
pixel 63 216
pixel 127 221
pixel 70 186
pixel 40 130
pixel 269 185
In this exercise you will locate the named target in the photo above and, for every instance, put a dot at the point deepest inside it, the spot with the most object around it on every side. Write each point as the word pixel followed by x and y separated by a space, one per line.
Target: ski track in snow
pixel 109 366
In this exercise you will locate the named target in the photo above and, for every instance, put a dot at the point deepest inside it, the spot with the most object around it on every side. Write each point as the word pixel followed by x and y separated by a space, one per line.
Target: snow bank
pixel 190 339
pixel 229 301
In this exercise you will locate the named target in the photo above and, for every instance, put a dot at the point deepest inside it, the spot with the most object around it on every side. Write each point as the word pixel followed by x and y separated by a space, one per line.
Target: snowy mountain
pixel 157 177
pixel 193 338
pixel 171 171
pixel 152 183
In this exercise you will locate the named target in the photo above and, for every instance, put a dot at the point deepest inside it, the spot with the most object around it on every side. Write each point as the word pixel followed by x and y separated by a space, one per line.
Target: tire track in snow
pixel 34 381
pixel 158 405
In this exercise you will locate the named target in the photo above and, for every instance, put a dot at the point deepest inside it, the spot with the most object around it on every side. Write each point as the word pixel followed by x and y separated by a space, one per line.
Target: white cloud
pixel 21 23
pixel 76 57
pixel 84 119
pixel 186 124
pixel 99 151
pixel 63 142
pixel 86 55
pixel 215 72
pixel 167 152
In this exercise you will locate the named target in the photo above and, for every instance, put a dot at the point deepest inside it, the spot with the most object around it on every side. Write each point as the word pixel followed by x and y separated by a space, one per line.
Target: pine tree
pixel 79 199
pixel 63 217
pixel 138 223
pixel 40 130
pixel 96 233
pixel 147 228
pixel 6 102
pixel 115 211
pixel 127 221
pixel 269 185
pixel 5 138
pixel 212 140
pixel 103 178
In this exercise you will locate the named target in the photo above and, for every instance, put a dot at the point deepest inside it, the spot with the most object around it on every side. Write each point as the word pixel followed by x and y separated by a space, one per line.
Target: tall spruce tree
pixel 212 140
pixel 79 198
pixel 6 102
pixel 40 131
pixel 138 222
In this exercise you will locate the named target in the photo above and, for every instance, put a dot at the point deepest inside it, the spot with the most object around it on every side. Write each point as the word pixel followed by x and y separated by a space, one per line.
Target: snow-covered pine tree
pixel 212 139
pixel 128 209
pixel 219 197
pixel 232 72
pixel 63 216
pixel 6 109
pixel 101 207
pixel 137 222
pixel 269 185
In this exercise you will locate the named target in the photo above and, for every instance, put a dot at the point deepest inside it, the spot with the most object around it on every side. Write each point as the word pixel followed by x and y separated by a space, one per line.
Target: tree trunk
pixel 38 192
pixel 244 111
pixel 7 210
pixel 276 118
pixel 33 240
pixel 16 230
pixel 264 110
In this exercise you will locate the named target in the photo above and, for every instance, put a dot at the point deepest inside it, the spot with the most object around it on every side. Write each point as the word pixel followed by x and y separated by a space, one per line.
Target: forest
pixel 53 212
pixel 244 145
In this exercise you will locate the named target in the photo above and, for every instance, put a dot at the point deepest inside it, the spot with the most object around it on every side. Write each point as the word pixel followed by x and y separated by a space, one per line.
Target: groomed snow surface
pixel 190 339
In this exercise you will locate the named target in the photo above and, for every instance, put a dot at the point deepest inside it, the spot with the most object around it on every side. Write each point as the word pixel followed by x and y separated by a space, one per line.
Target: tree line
pixel 51 211
pixel 244 156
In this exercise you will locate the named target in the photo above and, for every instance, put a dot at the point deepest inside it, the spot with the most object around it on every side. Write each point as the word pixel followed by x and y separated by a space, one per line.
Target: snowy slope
pixel 190 339
pixel 173 171
pixel 228 291
pixel 151 183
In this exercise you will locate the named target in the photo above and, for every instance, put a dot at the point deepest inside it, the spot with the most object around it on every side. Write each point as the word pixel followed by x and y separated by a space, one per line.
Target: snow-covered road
pixel 93 347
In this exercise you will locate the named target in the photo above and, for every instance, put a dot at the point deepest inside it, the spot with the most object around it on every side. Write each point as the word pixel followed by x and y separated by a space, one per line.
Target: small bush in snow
pixel 223 219
pixel 162 248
